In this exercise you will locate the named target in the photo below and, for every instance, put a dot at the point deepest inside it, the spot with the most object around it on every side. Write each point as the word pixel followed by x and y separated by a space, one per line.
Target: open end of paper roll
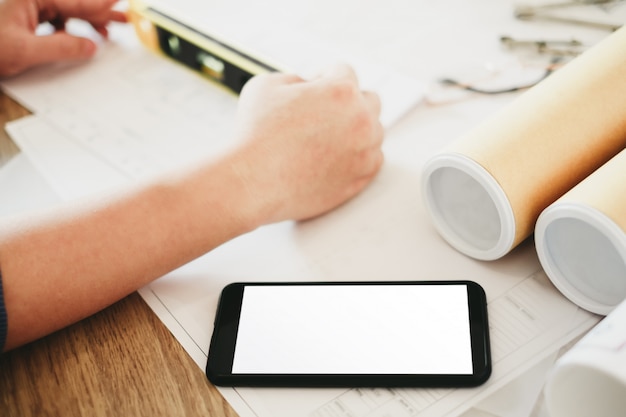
pixel 576 390
pixel 584 254
pixel 468 207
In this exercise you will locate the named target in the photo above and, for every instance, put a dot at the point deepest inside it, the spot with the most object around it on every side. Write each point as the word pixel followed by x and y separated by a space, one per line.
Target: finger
pixel 58 46
pixel 366 178
pixel 374 163
pixel 117 16
pixel 285 78
pixel 337 71
pixel 378 134
pixel 96 12
pixel 373 102
pixel 102 31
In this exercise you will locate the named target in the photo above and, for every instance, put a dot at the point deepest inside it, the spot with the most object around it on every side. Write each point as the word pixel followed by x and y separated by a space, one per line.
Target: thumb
pixel 58 46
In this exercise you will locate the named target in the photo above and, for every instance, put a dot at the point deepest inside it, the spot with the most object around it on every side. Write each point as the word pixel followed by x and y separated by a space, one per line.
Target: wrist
pixel 221 196
pixel 257 197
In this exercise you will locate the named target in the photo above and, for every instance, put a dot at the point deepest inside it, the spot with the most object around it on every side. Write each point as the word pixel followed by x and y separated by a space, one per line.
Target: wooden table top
pixel 122 361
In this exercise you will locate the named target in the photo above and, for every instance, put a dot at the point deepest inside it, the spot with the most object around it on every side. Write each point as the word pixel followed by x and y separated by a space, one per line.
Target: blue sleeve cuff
pixel 3 318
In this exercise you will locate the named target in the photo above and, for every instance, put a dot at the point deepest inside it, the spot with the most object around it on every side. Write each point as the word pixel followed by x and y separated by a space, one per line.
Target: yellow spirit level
pixel 200 51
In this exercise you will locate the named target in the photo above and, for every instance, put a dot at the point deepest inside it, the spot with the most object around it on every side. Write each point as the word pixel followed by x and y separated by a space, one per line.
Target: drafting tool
pixel 546 12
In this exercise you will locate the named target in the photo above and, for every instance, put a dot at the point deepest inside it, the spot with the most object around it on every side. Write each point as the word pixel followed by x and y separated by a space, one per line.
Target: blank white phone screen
pixel 354 329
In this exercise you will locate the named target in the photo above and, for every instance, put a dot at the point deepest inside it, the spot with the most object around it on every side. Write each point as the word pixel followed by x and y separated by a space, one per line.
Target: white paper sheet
pixel 69 169
pixel 23 189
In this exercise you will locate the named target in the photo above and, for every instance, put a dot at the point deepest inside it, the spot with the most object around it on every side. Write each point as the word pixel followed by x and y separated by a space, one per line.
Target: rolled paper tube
pixel 485 192
pixel 581 239
pixel 590 379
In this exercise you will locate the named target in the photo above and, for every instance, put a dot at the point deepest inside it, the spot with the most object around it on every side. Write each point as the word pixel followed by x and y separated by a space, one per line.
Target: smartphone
pixel 351 334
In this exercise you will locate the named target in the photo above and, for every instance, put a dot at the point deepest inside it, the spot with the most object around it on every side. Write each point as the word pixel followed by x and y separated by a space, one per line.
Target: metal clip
pixel 544 13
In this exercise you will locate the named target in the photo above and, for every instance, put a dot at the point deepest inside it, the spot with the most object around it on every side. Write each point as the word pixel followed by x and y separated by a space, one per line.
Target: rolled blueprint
pixel 485 192
pixel 581 239
pixel 590 379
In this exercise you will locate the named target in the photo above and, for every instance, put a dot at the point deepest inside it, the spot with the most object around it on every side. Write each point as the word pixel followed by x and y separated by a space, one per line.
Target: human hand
pixel 22 48
pixel 310 145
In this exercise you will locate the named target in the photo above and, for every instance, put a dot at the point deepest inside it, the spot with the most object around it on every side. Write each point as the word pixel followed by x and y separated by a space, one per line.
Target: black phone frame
pixel 222 348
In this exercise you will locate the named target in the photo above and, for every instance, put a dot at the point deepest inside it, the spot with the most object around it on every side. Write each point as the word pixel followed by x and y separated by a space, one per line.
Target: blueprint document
pixel 129 115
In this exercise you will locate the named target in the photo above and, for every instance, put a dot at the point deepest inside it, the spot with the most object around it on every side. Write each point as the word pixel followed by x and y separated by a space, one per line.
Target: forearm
pixel 63 268
pixel 306 147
